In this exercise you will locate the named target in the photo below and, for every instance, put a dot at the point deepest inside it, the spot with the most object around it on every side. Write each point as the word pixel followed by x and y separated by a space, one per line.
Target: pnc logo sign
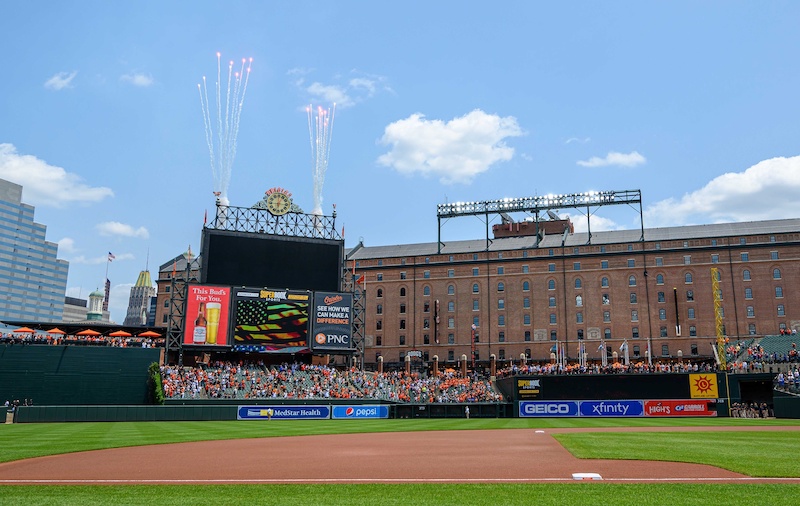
pixel 320 338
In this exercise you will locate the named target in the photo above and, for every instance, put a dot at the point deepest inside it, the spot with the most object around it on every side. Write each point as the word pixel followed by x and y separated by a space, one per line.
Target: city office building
pixel 33 281
pixel 139 300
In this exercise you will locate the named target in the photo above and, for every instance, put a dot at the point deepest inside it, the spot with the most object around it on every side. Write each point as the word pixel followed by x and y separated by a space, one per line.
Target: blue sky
pixel 694 103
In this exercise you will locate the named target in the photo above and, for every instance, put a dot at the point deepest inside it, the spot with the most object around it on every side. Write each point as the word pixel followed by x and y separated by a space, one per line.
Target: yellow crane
pixel 723 363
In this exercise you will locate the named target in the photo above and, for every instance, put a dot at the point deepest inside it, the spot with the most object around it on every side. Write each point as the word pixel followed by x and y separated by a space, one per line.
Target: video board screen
pixel 239 259
pixel 207 310
pixel 275 319
pixel 332 321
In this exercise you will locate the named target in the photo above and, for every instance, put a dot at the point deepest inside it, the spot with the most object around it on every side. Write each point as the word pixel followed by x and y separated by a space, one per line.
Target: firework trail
pixel 320 133
pixel 229 112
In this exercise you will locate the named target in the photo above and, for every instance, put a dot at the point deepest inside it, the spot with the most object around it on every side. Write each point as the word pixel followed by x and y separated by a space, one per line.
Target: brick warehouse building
pixel 651 287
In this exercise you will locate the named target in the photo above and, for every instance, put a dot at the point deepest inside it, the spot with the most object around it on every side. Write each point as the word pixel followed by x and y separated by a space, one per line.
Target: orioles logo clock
pixel 278 203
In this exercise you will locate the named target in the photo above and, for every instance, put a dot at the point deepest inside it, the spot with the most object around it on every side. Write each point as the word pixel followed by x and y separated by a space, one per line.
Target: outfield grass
pixel 767 453
pixel 20 441
pixel 572 494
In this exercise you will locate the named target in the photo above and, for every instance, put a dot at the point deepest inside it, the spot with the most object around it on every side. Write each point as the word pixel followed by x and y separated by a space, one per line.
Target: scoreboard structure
pixel 268 284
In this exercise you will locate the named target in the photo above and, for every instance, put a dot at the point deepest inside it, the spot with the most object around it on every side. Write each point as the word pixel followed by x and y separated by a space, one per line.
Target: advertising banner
pixel 548 409
pixel 612 408
pixel 351 412
pixel 207 310
pixel 529 388
pixel 274 319
pixel 703 386
pixel 283 412
pixel 678 408
pixel 332 323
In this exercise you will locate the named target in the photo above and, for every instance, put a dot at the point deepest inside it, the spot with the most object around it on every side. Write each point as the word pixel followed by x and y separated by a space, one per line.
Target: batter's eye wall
pixel 607 386
pixel 236 259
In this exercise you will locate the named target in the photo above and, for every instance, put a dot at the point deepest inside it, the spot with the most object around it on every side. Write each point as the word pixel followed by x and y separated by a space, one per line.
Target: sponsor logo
pixel 612 408
pixel 271 295
pixel 528 384
pixel 678 408
pixel 320 338
pixel 333 299
pixel 284 412
pixel 542 408
pixel 370 411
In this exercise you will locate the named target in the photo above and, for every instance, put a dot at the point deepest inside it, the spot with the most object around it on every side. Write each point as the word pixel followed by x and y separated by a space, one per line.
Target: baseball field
pixel 430 461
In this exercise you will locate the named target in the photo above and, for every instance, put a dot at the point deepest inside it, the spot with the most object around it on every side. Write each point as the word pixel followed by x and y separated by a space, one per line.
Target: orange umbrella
pixel 149 333
pixel 88 332
pixel 24 330
pixel 56 330
pixel 119 333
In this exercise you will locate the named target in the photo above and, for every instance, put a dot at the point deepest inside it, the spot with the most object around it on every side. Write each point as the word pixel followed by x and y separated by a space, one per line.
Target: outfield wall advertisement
pixel 312 412
pixel 617 408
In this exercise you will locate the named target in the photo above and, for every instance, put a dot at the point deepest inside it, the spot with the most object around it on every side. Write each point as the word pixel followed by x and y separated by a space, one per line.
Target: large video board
pixel 274 319
pixel 207 310
pixel 246 259
pixel 332 321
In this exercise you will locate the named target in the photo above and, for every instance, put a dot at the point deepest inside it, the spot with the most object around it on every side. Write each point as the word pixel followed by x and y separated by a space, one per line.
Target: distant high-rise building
pixel 139 301
pixel 33 281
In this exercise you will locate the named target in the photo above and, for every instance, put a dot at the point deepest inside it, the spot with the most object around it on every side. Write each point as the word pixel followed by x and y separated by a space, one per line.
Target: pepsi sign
pixel 360 411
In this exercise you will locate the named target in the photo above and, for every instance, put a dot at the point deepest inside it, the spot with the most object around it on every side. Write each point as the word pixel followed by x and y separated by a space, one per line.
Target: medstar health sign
pixel 332 323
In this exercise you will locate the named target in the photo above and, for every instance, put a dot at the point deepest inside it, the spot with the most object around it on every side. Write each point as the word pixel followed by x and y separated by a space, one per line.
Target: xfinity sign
pixel 548 409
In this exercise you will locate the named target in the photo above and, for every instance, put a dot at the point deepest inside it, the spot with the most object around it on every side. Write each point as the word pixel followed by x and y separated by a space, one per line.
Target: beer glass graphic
pixel 212 321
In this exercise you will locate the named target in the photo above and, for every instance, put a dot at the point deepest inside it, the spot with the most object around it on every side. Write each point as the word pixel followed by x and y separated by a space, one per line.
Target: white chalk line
pixel 386 480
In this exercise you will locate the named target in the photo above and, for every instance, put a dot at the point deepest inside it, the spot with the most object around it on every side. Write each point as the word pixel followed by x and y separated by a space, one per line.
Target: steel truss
pixel 537 204
pixel 177 309
pixel 261 221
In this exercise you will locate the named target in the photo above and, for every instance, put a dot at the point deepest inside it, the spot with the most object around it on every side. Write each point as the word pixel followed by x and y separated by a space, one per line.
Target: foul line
pixel 385 480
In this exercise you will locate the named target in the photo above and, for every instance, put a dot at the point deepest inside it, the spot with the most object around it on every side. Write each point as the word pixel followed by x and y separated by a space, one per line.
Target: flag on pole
pixel 111 256
pixel 360 279
pixel 205 218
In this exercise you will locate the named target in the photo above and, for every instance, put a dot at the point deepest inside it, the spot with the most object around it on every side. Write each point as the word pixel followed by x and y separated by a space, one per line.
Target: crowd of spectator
pixel 612 368
pixel 227 380
pixel 62 340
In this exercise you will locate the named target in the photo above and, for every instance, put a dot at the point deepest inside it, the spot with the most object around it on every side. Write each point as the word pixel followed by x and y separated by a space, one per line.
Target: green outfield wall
pixel 75 375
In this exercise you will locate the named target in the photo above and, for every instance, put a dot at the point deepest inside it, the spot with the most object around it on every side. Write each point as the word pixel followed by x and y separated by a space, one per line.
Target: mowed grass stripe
pixel 402 495
pixel 20 441
pixel 752 453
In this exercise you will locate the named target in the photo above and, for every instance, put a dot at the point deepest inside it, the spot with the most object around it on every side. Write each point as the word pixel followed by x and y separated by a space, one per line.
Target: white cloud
pixel 455 151
pixel 765 191
pixel 61 80
pixel 579 140
pixel 136 79
pixel 631 159
pixel 66 245
pixel 598 223
pixel 343 94
pixel 46 185
pixel 118 298
pixel 330 94
pixel 109 228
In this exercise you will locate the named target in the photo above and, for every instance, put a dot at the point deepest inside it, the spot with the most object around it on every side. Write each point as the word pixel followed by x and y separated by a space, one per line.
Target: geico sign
pixel 546 409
